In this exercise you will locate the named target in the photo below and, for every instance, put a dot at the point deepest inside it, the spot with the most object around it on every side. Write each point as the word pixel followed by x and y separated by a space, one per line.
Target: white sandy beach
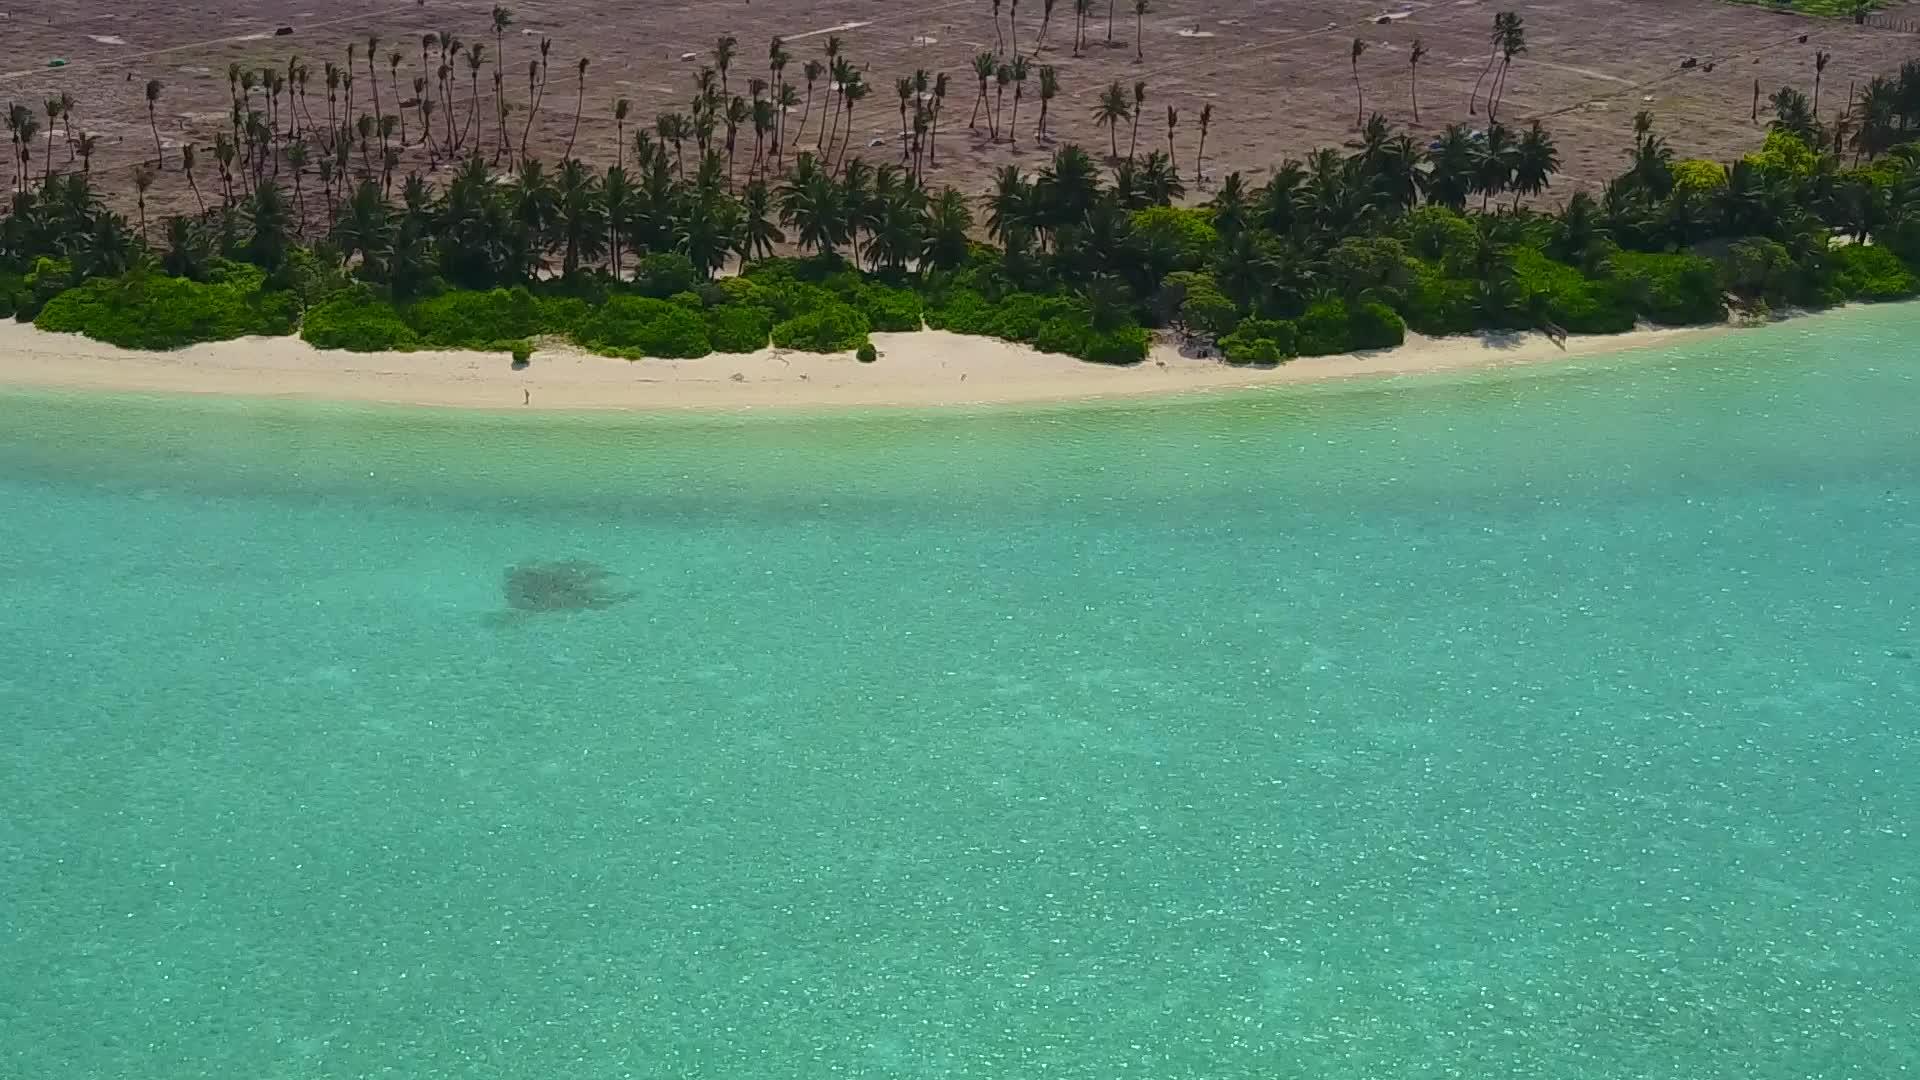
pixel 925 368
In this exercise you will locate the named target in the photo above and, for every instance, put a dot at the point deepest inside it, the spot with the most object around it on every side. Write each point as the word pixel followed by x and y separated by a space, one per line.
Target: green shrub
pixel 522 353
pixel 831 328
pixel 1573 301
pixel 889 308
pixel 865 353
pixel 1375 326
pixel 1872 273
pixel 477 320
pixel 1674 290
pixel 1075 335
pixel 688 299
pixel 1438 305
pixel 1439 235
pixel 357 323
pixel 1260 341
pixel 1020 316
pixel 48 279
pixel 154 311
pixel 963 311
pixel 1187 231
pixel 639 326
pixel 662 274
pixel 738 328
pixel 1203 311
pixel 1324 330
pixel 1697 176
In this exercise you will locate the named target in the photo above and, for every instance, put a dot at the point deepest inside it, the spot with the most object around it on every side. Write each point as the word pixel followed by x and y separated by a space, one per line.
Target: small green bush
pixel 1260 341
pixel 1437 304
pixel 1324 330
pixel 1375 326
pixel 962 311
pixel 1021 316
pixel 831 328
pixel 154 311
pixel 738 328
pixel 662 274
pixel 1074 335
pixel 477 320
pixel 1574 302
pixel 865 353
pixel 1674 290
pixel 357 323
pixel 889 308
pixel 1872 273
pixel 637 326
pixel 522 353
pixel 1439 235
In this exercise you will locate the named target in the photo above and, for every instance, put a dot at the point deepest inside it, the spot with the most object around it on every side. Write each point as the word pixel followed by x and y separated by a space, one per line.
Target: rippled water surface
pixel 1561 723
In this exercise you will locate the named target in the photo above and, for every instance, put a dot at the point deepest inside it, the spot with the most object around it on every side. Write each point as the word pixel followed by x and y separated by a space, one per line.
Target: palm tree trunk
pixel 1360 93
pixel 1416 95
pixel 1492 57
pixel 1110 4
pixel 579 102
pixel 1133 139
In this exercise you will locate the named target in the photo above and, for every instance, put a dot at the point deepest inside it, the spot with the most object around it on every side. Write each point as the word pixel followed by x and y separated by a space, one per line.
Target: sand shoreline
pixel 927 368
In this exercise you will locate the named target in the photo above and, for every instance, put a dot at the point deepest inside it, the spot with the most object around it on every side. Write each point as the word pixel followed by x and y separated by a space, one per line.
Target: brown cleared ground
pixel 1276 71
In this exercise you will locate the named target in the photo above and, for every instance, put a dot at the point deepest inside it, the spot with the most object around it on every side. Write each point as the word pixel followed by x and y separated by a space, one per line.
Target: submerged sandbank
pixel 922 368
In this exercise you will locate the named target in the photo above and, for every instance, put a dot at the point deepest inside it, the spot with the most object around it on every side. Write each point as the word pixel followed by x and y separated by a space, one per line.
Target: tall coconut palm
pixel 621 109
pixel 1082 11
pixel 724 50
pixel 849 96
pixel 187 160
pixel 1502 22
pixel 788 98
pixel 537 89
pixel 142 180
pixel 1018 70
pixel 476 59
pixel 66 121
pixel 579 102
pixel 1013 26
pixel 1111 110
pixel 153 99
pixel 1049 89
pixel 297 164
pixel 1139 27
pixel 373 76
pixel 1173 121
pixel 1200 155
pixel 1359 91
pixel 1046 20
pixel 811 71
pixel 939 106
pixel 53 118
pixel 1494 164
pixel 999 43
pixel 903 88
pixel 1820 59
pixel 1139 110
pixel 1414 56
pixel 86 145
pixel 394 57
pixel 1511 45
pixel 983 69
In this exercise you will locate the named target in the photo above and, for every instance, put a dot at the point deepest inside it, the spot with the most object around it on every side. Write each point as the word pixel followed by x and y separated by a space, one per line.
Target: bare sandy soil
pixel 1276 71
pixel 925 368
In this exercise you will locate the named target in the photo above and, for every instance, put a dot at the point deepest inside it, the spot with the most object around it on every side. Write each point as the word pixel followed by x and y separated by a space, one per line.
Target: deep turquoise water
pixel 1561 723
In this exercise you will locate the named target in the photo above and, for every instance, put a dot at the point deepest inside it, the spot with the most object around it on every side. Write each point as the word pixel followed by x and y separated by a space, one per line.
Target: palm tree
pixel 142 180
pixel 581 212
pixel 1512 45
pixel 1110 111
pixel 943 243
pixel 1173 121
pixel 186 165
pixel 476 59
pixel 1049 89
pixel 723 53
pixel 86 145
pixel 848 96
pixel 1046 19
pixel 903 87
pixel 1360 93
pixel 983 68
pixel 1013 28
pixel 1139 15
pixel 579 102
pixel 673 127
pixel 1200 155
pixel 1820 60
pixel 536 70
pixel 53 116
pixel 393 80
pixel 1494 164
pixel 1018 69
pixel 373 76
pixel 813 204
pixel 939 106
pixel 1139 110
pixel 153 98
pixel 1082 11
pixel 811 71
pixel 1501 23
pixel 66 121
pixel 1417 54
pixel 1535 160
pixel 1002 75
pixel 758 234
pixel 297 163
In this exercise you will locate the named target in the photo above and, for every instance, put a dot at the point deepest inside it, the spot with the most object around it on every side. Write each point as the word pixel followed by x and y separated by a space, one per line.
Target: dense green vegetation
pixel 1348 250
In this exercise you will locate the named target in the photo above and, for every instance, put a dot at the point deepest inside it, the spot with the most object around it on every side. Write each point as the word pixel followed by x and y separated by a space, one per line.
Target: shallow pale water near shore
pixel 1544 723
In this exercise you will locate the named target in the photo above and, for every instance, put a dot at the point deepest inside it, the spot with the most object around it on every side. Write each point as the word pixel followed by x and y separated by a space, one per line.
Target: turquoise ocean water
pixel 1556 723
